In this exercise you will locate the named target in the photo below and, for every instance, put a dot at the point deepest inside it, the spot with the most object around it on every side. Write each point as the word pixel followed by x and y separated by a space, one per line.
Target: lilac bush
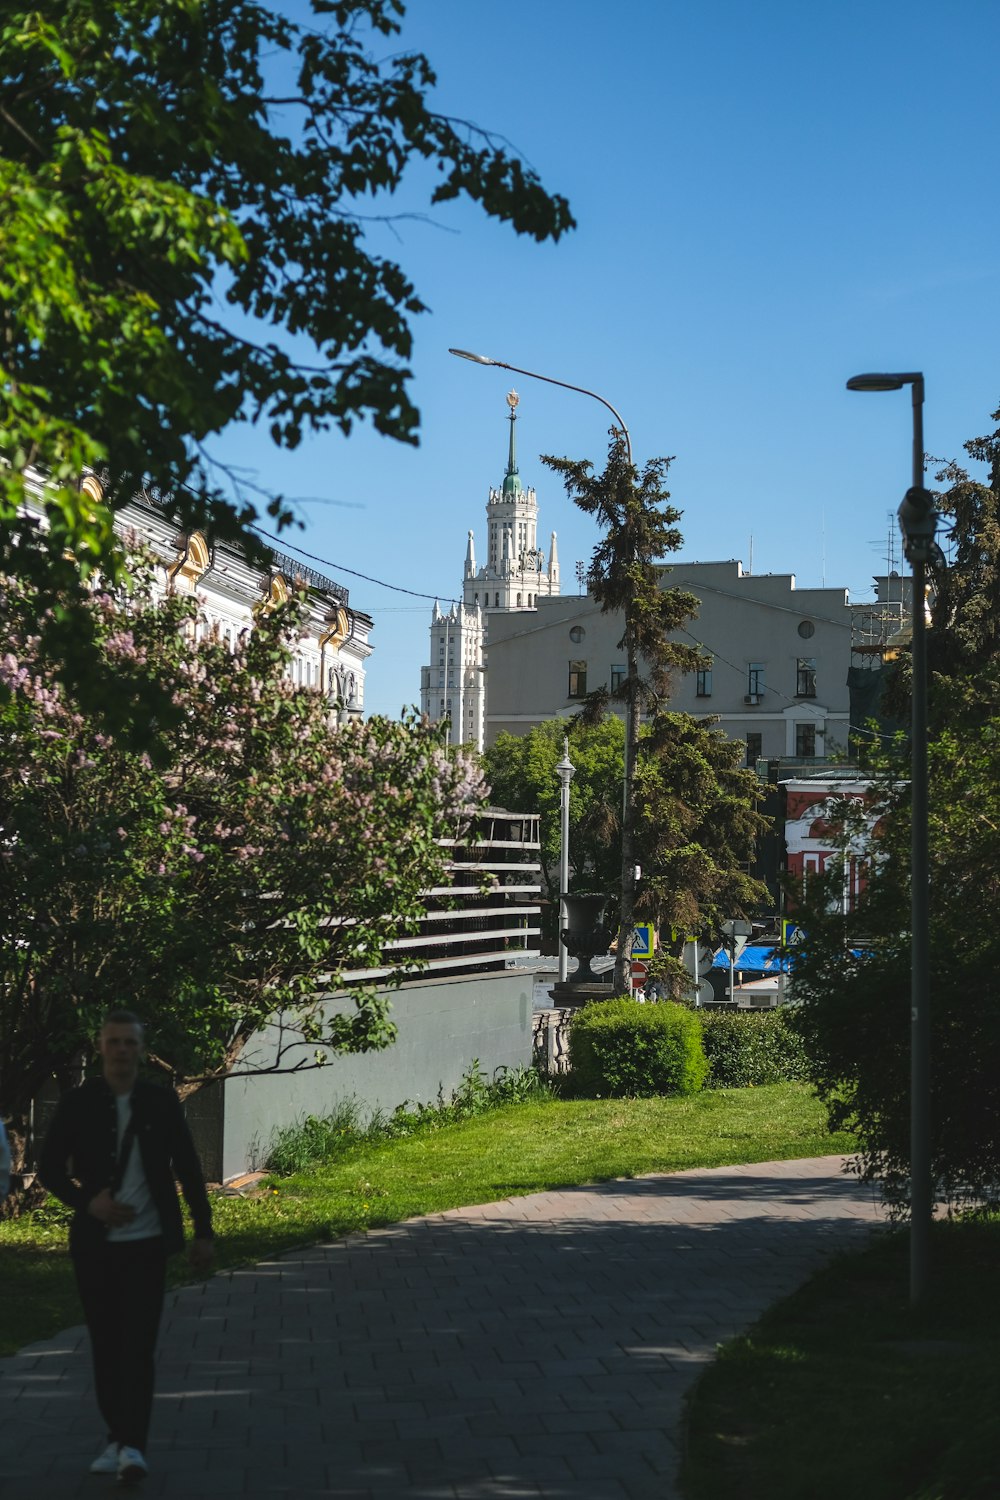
pixel 223 877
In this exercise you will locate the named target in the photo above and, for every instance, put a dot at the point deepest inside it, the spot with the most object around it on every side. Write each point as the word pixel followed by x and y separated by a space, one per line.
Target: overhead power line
pixel 339 568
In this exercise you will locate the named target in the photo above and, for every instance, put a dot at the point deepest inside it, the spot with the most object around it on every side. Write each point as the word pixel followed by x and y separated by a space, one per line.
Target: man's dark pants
pixel 121 1287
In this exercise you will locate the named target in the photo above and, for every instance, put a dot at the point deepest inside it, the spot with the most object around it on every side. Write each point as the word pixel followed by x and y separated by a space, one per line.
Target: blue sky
pixel 771 196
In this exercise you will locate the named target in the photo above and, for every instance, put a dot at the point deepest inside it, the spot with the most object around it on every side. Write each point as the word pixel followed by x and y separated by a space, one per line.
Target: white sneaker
pixel 131 1466
pixel 107 1462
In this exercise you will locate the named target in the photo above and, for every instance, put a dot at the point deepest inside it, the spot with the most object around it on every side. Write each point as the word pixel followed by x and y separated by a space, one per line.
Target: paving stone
pixel 538 1347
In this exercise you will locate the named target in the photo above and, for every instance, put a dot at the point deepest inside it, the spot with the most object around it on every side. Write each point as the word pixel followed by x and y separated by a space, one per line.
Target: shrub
pixel 749 1048
pixel 622 1047
pixel 476 1095
pixel 314 1140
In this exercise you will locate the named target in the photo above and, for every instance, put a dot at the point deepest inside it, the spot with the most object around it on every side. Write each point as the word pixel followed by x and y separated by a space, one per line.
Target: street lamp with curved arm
pixel 484 359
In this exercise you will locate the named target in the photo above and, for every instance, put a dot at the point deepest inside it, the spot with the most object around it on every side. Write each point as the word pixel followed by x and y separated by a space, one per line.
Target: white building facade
pixel 514 578
pixel 334 647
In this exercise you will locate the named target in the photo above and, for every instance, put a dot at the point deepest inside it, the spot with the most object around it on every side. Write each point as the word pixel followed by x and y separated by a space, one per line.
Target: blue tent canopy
pixel 756 958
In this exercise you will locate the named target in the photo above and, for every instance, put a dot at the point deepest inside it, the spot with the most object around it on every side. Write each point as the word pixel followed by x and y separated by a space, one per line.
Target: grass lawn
pixel 841 1390
pixel 522 1148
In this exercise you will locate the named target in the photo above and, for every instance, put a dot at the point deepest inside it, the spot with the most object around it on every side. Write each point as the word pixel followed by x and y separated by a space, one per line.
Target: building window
pixel 806 629
pixel 617 678
pixel 496 601
pixel 577 634
pixel 755 679
pixel 805 677
pixel 703 682
pixel 519 601
pixel 577 680
pixel 755 748
pixel 805 740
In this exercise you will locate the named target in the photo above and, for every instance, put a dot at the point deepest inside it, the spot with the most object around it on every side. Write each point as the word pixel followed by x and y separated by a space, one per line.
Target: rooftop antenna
pixel 750 567
pixel 581 574
pixel 889 556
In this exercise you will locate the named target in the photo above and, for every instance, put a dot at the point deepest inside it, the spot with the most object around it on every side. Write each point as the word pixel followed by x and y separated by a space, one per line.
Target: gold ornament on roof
pixel 512 399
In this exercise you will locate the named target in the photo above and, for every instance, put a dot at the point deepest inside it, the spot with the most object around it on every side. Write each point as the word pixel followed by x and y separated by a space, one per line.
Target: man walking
pixel 111 1153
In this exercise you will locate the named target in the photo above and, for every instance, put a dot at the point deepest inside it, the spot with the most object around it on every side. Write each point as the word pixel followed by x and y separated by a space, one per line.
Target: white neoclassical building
pixel 512 580
pixel 334 648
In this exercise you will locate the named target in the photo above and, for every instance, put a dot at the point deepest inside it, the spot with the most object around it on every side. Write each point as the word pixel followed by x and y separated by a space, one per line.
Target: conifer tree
pixel 638 528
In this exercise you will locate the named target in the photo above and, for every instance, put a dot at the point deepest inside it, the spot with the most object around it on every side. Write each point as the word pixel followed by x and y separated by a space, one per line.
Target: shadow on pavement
pixel 537 1347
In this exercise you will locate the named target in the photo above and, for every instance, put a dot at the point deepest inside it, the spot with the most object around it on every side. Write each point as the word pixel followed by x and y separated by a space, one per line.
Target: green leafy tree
pixel 965 629
pixel 964 635
pixel 521 773
pixel 184 190
pixel 638 527
pixel 853 975
pixel 229 884
pixel 697 822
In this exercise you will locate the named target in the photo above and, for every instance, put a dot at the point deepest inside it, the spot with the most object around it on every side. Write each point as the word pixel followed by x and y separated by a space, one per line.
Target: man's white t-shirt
pixel 134 1188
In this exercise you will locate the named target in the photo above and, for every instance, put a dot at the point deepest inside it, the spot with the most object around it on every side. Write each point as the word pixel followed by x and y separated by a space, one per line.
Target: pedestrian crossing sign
pixel 643 940
pixel 791 934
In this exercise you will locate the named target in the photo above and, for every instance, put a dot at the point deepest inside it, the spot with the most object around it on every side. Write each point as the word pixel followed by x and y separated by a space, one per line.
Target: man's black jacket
pixel 82 1143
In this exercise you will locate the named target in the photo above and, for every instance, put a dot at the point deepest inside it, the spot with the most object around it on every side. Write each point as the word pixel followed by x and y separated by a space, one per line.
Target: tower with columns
pixel 454 685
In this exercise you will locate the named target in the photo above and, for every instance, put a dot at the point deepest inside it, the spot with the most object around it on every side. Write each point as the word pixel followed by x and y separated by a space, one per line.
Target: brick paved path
pixel 536 1347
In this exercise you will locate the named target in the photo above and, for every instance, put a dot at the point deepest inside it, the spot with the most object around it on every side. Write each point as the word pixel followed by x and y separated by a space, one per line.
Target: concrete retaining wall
pixel 443 1025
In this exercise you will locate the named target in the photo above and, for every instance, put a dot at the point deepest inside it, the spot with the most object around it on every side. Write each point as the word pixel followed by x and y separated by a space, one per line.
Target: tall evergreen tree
pixel 638 527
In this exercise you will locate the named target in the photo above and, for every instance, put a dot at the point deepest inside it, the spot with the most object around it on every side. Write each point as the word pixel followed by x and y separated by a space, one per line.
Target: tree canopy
pixel 521 773
pixel 853 974
pixel 184 189
pixel 230 883
pixel 697 822
pixel 965 621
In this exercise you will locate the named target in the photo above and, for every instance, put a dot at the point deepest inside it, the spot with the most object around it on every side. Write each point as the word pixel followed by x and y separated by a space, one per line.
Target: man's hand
pixel 107 1211
pixel 200 1254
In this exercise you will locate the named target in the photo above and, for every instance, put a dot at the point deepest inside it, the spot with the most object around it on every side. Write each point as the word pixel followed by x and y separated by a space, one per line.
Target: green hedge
pixel 749 1048
pixel 624 1048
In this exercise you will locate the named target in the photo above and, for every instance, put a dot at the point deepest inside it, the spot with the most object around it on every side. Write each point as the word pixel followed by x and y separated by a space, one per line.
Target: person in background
pixel 111 1154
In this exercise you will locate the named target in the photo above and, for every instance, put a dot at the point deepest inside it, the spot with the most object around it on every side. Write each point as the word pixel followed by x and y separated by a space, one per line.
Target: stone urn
pixel 585 935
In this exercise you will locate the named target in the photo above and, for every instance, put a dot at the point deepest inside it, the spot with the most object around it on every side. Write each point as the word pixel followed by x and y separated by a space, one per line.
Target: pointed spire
pixel 437 610
pixel 512 479
pixel 470 556
pixel 553 558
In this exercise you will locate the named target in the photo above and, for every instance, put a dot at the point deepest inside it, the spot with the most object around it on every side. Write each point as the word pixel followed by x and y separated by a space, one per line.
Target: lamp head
pixel 477 359
pixel 876 383
pixel 888 382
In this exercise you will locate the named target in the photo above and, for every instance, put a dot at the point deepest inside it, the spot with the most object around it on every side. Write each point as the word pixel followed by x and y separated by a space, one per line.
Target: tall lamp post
pixel 622 961
pixel 918 522
pixel 565 771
